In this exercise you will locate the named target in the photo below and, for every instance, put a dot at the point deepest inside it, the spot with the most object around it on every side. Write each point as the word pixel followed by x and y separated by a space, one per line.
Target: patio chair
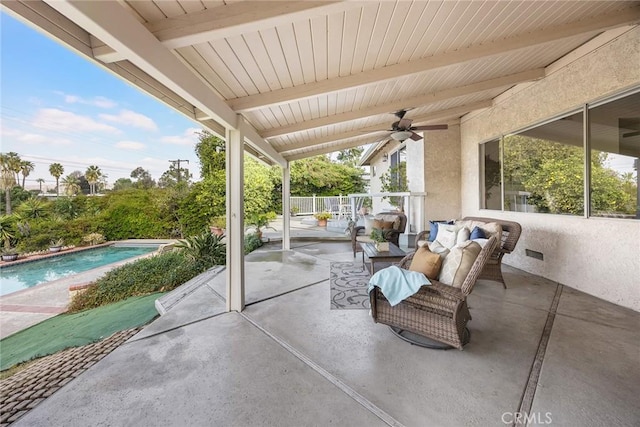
pixel 510 235
pixel 437 311
pixel 332 205
pixel 360 234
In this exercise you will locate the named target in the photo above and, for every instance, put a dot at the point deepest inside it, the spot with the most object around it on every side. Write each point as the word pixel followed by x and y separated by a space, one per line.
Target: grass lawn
pixel 74 330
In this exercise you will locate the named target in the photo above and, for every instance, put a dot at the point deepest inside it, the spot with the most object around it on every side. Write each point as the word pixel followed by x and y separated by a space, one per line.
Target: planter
pixel 322 223
pixel 217 230
pixel 382 246
pixel 10 257
pixel 54 249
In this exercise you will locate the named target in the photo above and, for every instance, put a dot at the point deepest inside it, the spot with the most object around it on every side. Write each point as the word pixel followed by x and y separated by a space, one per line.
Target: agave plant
pixel 205 249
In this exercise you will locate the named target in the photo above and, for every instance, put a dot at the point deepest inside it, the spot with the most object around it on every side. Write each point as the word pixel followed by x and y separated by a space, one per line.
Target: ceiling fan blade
pixel 430 127
pixel 630 134
pixel 376 130
pixel 415 136
pixel 400 114
pixel 404 123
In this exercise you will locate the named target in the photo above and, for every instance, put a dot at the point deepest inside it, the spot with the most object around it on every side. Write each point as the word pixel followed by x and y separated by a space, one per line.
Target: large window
pixel 614 130
pixel 542 169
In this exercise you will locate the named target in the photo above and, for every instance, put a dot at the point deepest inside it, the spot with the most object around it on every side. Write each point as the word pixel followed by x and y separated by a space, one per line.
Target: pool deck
pixel 22 309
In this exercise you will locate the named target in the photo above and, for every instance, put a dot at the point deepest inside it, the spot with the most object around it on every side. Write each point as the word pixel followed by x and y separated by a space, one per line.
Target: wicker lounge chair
pixel 358 234
pixel 510 234
pixel 436 311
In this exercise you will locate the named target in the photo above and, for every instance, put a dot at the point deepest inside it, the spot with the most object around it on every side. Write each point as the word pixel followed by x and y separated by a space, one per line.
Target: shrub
pixel 159 273
pixel 93 239
pixel 251 242
pixel 205 250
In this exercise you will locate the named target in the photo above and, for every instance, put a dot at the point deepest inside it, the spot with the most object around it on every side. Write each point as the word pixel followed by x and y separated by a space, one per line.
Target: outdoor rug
pixel 349 281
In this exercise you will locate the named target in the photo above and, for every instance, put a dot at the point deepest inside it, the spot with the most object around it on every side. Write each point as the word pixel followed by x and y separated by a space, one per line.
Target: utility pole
pixel 173 162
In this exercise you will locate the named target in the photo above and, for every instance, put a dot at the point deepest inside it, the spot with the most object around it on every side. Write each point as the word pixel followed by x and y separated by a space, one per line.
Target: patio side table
pixel 394 254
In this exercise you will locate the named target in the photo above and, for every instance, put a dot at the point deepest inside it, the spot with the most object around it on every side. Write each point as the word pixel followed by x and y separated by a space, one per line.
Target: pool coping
pixel 27 307
pixel 38 257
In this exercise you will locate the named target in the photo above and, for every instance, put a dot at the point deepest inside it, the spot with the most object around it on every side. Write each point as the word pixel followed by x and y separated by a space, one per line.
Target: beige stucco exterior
pixel 596 255
pixel 442 174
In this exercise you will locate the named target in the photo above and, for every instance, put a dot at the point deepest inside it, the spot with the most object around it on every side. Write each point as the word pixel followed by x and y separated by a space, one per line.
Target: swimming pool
pixel 23 276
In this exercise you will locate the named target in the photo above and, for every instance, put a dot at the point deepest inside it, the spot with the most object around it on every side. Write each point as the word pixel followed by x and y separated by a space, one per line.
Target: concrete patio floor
pixel 564 357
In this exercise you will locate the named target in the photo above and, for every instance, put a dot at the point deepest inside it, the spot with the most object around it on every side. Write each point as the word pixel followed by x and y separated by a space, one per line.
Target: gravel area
pixel 25 389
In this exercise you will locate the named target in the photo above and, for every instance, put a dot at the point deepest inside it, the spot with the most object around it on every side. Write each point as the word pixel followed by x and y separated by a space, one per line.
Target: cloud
pixel 33 138
pixel 98 101
pixel 65 121
pixel 189 137
pixel 131 118
pixel 130 145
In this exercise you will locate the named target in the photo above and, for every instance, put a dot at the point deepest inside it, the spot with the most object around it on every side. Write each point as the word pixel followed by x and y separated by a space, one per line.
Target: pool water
pixel 23 276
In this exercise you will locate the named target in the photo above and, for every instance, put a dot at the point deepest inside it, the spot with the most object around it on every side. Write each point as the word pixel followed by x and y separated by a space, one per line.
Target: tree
pixel 172 176
pixel 40 181
pixel 56 170
pixel 394 180
pixel 350 156
pixel 26 167
pixel 71 184
pixel 7 180
pixel 211 152
pixel 92 175
pixel 257 188
pixel 143 178
pixel 13 163
pixel 122 184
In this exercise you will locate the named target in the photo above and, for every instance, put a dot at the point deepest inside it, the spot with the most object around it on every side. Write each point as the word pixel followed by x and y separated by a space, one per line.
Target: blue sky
pixel 56 106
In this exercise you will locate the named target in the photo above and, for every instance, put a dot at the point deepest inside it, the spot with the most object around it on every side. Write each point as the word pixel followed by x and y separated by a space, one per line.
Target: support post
pixel 235 219
pixel 286 207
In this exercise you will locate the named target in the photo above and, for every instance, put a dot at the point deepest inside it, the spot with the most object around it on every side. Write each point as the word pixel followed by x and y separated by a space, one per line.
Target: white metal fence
pixel 314 204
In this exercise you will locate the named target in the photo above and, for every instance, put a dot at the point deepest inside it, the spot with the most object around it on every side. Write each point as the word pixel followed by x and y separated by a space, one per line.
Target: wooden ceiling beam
pixel 391 72
pixel 418 101
pixel 325 150
pixel 230 20
pixel 429 117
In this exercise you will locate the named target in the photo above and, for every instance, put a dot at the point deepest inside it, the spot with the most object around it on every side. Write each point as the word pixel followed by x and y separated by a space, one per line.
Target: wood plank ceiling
pixel 312 77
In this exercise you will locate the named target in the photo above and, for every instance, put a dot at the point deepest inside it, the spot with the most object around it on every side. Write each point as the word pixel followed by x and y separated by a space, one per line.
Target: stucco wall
pixel 596 255
pixel 442 174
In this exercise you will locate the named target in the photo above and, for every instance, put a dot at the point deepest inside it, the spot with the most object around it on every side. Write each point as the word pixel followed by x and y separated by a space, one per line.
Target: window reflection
pixel 544 168
pixel 615 148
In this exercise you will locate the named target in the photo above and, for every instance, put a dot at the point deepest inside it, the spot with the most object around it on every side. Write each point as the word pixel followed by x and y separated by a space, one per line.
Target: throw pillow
pixel 451 235
pixel 437 248
pixel 492 229
pixel 462 235
pixel 382 225
pixel 433 229
pixel 457 265
pixel 477 233
pixel 426 262
pixel 368 225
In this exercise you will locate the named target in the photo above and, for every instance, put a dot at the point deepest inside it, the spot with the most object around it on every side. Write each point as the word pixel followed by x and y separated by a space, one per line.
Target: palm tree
pixel 56 170
pixel 13 163
pixel 7 181
pixel 93 175
pixel 26 167
pixel 40 181
pixel 71 185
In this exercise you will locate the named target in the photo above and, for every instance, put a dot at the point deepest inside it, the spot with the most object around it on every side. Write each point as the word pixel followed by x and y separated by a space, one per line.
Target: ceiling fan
pixel 402 129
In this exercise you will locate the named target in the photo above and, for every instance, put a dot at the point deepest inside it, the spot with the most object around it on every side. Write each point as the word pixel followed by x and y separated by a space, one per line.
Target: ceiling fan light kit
pixel 401 135
pixel 402 129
